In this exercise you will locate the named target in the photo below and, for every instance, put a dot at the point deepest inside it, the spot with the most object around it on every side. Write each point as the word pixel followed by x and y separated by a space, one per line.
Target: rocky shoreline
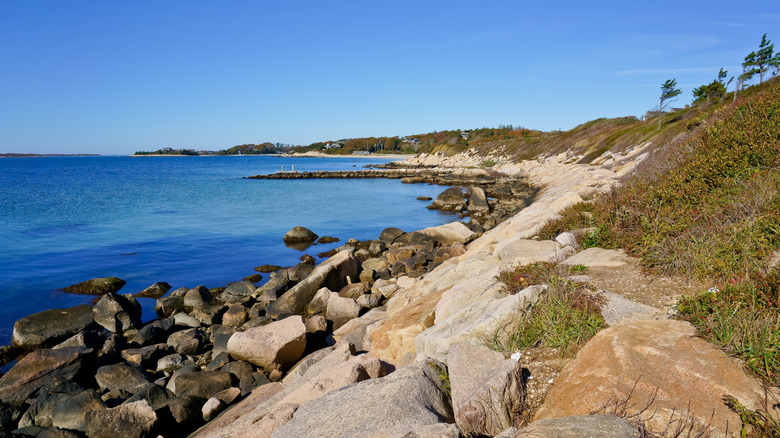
pixel 384 338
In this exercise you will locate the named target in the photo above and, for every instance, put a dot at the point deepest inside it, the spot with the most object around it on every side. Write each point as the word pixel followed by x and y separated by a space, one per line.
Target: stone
pixel 332 273
pixel 316 324
pixel 40 411
pixel 267 269
pixel 341 310
pixel 524 252
pixel 634 359
pixel 218 361
pixel 353 290
pixel 72 412
pixel 248 383
pixel 153 393
pixel 180 412
pixel 41 368
pixel 121 377
pixel 438 430
pixel 154 332
pixel 51 326
pixel 327 239
pixel 105 344
pixel 118 313
pixel 277 345
pixel 240 288
pixel 43 432
pixel 567 239
pixel 173 362
pixel 487 390
pixel 469 291
pixel 300 271
pixel 190 341
pixel 477 200
pixel 388 235
pixel 451 199
pixel 449 234
pixel 238 368
pixel 254 278
pixel 479 321
pixel 9 416
pixel 377 247
pixel 96 286
pixel 154 291
pixel 235 315
pixel 410 396
pixel 129 420
pixel 299 235
pixel 146 357
pixel 598 258
pixel 577 426
pixel 182 319
pixel 212 408
pixel 369 301
pixel 424 198
pixel 204 384
pixel 319 303
pixel 167 306
pixel 198 297
pixel 171 386
pixel 229 395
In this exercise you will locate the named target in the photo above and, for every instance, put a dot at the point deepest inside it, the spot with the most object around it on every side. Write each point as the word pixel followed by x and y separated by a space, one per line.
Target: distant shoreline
pixel 46 155
pixel 295 155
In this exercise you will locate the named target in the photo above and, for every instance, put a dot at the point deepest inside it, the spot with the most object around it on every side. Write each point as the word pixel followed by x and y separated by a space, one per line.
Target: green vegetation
pixel 169 151
pixel 754 423
pixel 565 316
pixel 444 375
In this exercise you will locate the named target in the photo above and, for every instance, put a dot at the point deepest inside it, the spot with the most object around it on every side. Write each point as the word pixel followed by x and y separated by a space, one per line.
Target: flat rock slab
pixel 619 310
pixel 131 420
pixel 51 326
pixel 96 286
pixel 686 374
pixel 580 426
pixel 598 258
pixel 525 252
pixel 39 368
pixel 454 232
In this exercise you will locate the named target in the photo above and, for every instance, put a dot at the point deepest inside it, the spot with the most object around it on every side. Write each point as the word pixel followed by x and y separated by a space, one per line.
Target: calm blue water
pixel 184 220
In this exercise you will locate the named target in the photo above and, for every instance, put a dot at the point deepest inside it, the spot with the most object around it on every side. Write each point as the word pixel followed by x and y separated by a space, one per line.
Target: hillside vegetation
pixel 708 207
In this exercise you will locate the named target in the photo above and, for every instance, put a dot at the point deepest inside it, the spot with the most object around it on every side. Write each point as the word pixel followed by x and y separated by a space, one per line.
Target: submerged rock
pixel 154 291
pixel 96 286
pixel 300 235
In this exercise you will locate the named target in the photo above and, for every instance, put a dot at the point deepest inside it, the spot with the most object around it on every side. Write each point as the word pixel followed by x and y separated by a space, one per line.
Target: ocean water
pixel 183 220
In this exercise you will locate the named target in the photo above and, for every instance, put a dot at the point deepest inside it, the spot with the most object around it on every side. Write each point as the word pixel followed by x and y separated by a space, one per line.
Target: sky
pixel 115 77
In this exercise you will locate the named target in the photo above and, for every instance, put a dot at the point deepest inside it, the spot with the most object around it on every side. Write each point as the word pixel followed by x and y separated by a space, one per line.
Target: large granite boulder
pixel 118 313
pixel 388 235
pixel 96 286
pixel 72 412
pixel 204 384
pixel 121 377
pixel 51 326
pixel 448 234
pixel 131 420
pixel 487 390
pixel 578 426
pixel 300 235
pixel 478 203
pixel 41 368
pixel 411 396
pixel 332 273
pixel 40 411
pixel 190 341
pixel 662 362
pixel 340 310
pixel 154 332
pixel 451 199
pixel 277 345
pixel 198 296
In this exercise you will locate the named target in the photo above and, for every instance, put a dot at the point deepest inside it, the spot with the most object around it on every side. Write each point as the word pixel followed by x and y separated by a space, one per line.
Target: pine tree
pixel 668 92
pixel 765 57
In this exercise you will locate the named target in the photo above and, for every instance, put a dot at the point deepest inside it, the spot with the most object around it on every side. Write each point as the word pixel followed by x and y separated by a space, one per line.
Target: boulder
pixel 146 357
pixel 341 310
pixel 451 199
pixel 477 200
pixel 51 326
pixel 180 412
pixel 107 345
pixel 43 367
pixel 299 235
pixel 10 415
pixel 633 361
pixel 267 269
pixel 204 384
pixel 193 368
pixel 212 408
pixel 154 291
pixel 198 297
pixel 40 411
pixel 132 420
pixel 316 323
pixel 118 313
pixel 327 239
pixel 43 432
pixel 332 273
pixel 369 301
pixel 72 412
pixel 173 362
pixel 319 302
pixel 254 278
pixel 487 389
pixel 276 284
pixel 353 290
pixel 96 286
pixel 153 393
pixel 577 426
pixel 277 345
pixel 218 361
pixel 388 235
pixel 448 234
pixel 167 306
pixel 121 377
pixel 240 288
pixel 236 315
pixel 411 396
pixel 190 341
pixel 154 332
pixel 567 239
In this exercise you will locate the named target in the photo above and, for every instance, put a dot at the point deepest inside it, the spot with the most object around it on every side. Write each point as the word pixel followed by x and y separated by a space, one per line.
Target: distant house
pixel 652 114
pixel 413 141
pixel 333 145
pixel 465 134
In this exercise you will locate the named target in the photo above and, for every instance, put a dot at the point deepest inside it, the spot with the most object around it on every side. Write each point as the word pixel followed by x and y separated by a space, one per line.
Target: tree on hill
pixel 766 59
pixel 669 91
pixel 714 90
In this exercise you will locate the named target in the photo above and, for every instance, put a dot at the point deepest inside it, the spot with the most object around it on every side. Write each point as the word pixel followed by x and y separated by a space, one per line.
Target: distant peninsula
pixel 10 155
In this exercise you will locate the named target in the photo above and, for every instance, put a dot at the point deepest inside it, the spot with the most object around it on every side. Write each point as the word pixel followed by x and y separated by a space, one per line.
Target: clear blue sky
pixel 114 77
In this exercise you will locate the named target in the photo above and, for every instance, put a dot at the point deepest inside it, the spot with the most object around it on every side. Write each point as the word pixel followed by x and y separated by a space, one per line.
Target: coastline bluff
pixel 384 338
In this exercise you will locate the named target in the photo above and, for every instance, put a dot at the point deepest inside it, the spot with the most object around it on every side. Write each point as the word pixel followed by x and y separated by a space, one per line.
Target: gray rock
pixel 252 381
pixel 42 367
pixel 204 384
pixel 369 301
pixel 235 315
pixel 154 291
pixel 118 313
pixel 266 269
pixel 300 271
pixel 189 341
pixel 154 332
pixel 121 377
pixel 274 346
pixel 580 426
pixel 319 303
pixel 238 368
pixel 299 234
pixel 341 310
pixel 212 408
pixel 180 411
pixel 411 396
pixel 477 200
pixel 146 357
pixel 276 284
pixel 41 407
pixel 316 324
pixel 185 320
pixel 167 306
pixel 487 390
pixel 72 412
pixel 173 362
pixel 240 288
pixel 332 273
pixel 43 432
pixel 354 290
pixel 9 416
pixel 96 286
pixel 198 297
pixel 451 199
pixel 132 420
pixel 181 371
pixel 218 361
pixel 389 235
pixel 153 393
pixel 51 326
pixel 567 239
pixel 220 335
pixel 107 345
